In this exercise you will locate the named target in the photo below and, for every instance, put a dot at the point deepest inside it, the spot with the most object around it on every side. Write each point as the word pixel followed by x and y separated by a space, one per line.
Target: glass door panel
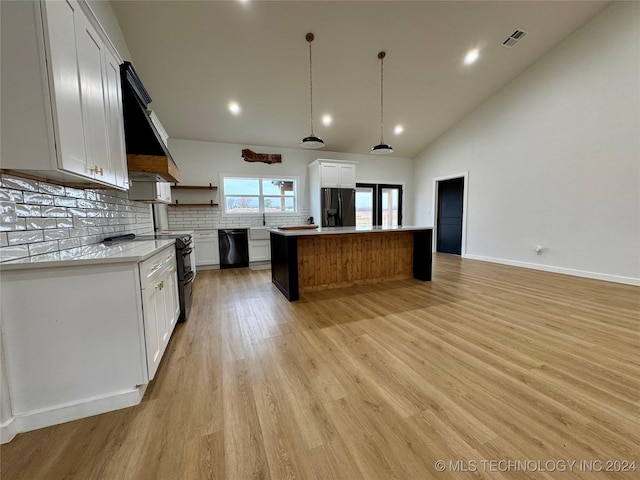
pixel 390 206
pixel 365 204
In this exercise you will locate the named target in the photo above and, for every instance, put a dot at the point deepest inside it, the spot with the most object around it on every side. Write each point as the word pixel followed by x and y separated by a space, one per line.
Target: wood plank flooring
pixel 485 363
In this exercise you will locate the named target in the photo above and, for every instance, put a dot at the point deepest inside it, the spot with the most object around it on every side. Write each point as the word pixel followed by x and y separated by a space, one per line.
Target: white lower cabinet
pixel 259 250
pixel 207 248
pixel 91 341
pixel 160 306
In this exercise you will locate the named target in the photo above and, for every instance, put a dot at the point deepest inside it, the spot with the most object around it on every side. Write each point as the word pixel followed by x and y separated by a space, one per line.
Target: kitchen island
pixel 332 257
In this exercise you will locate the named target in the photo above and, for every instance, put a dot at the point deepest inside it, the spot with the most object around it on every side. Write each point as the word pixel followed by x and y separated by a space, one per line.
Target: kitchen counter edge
pixel 96 254
pixel 345 230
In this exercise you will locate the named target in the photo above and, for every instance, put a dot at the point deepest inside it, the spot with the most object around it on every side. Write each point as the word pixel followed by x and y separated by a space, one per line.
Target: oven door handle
pixel 188 277
pixel 187 251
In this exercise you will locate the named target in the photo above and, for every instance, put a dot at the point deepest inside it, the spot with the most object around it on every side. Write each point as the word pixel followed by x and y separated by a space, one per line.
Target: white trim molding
pixel 8 430
pixel 65 413
pixel 465 176
pixel 550 268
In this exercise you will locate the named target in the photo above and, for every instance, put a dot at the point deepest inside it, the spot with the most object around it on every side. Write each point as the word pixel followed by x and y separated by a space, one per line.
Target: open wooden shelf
pixel 194 187
pixel 177 204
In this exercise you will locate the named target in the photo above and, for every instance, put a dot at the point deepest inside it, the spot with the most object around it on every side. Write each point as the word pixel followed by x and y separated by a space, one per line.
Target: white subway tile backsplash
pixel 56 234
pixel 69 243
pixel 24 210
pixel 51 189
pixel 65 202
pixel 28 236
pixel 14 252
pixel 37 198
pixel 64 222
pixel 74 192
pixel 54 212
pixel 18 183
pixel 40 223
pixel 10 195
pixel 8 212
pixel 39 218
pixel 43 247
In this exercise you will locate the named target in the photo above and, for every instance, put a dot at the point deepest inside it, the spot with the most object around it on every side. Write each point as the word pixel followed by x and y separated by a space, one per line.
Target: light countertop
pixel 345 230
pixel 96 254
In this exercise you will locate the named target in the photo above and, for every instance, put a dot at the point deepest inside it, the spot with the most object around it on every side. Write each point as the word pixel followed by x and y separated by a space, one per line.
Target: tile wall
pixel 202 218
pixel 38 218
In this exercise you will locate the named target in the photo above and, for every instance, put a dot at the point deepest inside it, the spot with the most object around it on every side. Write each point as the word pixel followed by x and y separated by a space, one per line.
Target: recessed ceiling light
pixel 234 108
pixel 326 119
pixel 471 56
pixel 398 130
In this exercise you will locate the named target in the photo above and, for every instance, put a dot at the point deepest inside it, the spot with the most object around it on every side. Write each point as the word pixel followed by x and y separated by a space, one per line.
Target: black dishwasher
pixel 234 248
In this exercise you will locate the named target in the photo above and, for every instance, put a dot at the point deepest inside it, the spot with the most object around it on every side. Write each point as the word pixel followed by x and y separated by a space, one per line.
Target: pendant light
pixel 311 141
pixel 382 148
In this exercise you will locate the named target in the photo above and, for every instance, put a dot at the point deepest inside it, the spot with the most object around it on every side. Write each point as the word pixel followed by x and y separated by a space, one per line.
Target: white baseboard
pixel 8 430
pixel 65 413
pixel 565 271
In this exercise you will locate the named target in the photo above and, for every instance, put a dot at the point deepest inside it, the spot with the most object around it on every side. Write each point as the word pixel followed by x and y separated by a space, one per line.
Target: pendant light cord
pixel 311 86
pixel 381 56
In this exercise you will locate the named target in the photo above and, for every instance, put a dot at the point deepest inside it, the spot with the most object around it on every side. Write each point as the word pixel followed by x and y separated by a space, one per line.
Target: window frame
pixel 261 195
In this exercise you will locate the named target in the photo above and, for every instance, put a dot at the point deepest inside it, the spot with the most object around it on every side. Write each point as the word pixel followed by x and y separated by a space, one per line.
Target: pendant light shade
pixel 382 148
pixel 311 141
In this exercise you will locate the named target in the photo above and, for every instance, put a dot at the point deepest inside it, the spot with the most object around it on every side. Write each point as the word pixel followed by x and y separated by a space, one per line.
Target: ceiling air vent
pixel 514 37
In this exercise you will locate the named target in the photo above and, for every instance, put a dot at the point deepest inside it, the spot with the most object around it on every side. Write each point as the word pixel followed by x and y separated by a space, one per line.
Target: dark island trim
pixel 422 254
pixel 284 265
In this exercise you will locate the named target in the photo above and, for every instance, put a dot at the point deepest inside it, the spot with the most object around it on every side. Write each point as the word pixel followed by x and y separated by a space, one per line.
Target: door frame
pixel 465 197
pixel 379 188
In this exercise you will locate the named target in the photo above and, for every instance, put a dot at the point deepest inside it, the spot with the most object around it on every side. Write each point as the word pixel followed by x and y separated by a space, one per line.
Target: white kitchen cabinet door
pixel 153 343
pixel 118 172
pixel 347 176
pixel 207 249
pixel 94 115
pixel 259 250
pixel 164 192
pixel 153 192
pixel 62 23
pixel 330 175
pixel 170 291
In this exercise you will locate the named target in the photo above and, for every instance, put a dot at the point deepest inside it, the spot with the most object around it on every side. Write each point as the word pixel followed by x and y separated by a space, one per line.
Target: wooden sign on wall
pixel 269 158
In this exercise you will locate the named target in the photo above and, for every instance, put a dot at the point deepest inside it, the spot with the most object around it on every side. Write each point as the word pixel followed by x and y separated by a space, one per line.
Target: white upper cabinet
pixel 337 175
pixel 152 192
pixel 332 174
pixel 61 51
pixel 115 123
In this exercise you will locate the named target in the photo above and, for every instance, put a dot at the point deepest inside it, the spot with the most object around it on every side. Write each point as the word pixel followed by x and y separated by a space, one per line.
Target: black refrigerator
pixel 338 207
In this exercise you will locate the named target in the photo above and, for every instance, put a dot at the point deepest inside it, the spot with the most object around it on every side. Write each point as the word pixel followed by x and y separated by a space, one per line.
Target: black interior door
pixel 450 203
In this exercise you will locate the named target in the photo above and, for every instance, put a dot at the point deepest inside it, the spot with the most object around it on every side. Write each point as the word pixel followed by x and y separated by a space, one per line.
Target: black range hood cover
pixel 141 137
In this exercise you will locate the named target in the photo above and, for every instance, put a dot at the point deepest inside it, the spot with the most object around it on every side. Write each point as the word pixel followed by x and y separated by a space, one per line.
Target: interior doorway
pixel 450 214
pixel 378 204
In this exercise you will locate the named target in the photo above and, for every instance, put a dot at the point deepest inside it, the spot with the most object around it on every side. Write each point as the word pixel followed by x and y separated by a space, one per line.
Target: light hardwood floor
pixel 487 362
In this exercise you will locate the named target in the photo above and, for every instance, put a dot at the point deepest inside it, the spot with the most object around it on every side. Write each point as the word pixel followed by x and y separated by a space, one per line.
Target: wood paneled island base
pixel 339 257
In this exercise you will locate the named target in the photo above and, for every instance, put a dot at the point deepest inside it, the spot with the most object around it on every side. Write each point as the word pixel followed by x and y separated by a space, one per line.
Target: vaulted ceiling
pixel 196 57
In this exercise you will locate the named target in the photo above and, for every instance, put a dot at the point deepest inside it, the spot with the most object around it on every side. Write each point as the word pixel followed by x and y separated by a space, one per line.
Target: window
pixel 244 195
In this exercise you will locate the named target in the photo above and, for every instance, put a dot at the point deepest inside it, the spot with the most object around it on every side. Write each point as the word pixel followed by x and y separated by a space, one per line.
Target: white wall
pixel 554 158
pixel 202 162
pixel 107 18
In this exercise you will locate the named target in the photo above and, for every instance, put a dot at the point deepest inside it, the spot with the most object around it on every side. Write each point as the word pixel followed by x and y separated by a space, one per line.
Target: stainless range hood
pixel 148 158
